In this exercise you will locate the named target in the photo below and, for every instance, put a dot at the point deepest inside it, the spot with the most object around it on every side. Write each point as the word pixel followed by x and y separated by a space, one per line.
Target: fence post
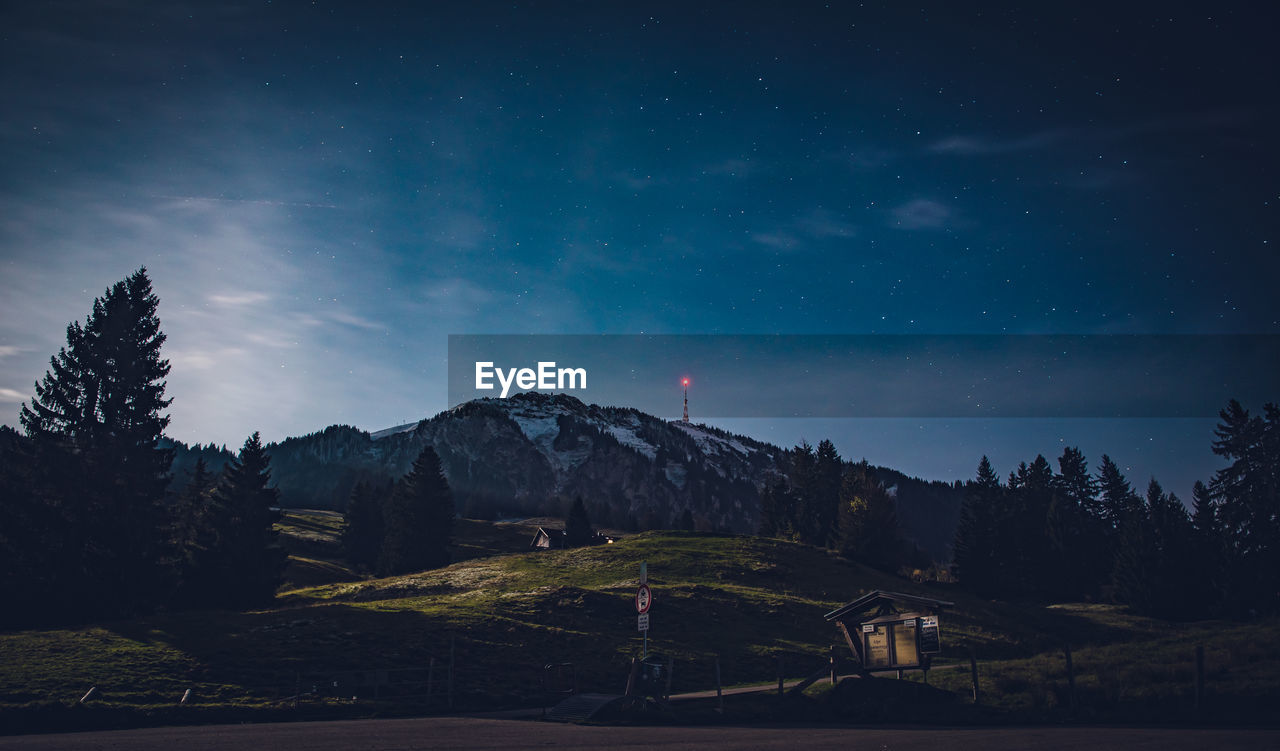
pixel 834 665
pixel 1199 678
pixel 453 638
pixel 297 688
pixel 633 676
pixel 973 673
pixel 1071 677
pixel 779 675
pixel 431 674
pixel 670 664
pixel 719 693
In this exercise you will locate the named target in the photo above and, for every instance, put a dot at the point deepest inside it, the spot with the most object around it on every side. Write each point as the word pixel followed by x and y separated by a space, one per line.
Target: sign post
pixel 644 600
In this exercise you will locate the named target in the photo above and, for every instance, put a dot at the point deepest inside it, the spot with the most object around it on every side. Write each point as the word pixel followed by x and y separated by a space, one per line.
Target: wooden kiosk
pixel 891 631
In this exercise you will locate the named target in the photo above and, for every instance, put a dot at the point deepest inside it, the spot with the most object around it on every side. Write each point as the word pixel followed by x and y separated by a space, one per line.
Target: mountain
pixel 532 454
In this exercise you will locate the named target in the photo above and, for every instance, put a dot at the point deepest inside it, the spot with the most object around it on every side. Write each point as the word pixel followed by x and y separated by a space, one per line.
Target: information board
pixel 905 650
pixel 930 643
pixel 877 642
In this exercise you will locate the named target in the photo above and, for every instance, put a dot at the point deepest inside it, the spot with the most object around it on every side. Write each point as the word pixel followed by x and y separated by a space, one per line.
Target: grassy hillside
pixel 743 599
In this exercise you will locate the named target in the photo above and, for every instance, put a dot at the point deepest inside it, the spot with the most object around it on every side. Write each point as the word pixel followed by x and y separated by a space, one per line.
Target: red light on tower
pixel 685 382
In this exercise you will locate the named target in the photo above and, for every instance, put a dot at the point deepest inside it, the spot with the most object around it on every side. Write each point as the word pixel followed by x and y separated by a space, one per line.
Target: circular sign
pixel 644 598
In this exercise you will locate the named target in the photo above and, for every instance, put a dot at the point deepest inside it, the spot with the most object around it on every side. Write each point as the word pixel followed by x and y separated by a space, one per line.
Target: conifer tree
pixel 95 424
pixel 418 519
pixel 979 550
pixel 249 559
pixel 1246 494
pixel 828 470
pixel 1079 563
pixel 1117 501
pixel 363 531
pixel 577 525
pixel 196 532
pixel 869 530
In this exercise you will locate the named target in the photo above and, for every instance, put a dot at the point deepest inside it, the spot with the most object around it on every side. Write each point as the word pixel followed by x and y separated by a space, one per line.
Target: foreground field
pixel 339 649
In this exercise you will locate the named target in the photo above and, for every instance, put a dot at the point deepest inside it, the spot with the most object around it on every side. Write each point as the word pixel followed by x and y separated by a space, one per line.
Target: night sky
pixel 324 191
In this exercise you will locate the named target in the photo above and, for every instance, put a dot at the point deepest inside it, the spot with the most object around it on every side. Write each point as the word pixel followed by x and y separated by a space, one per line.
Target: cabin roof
pixel 878 597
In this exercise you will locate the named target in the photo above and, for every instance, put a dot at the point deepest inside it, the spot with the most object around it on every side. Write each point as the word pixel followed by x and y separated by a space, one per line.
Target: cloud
pixel 732 168
pixel 921 213
pixel 238 299
pixel 12 396
pixel 979 146
pixel 975 145
pixel 8 350
pixel 360 322
pixel 821 223
pixel 815 225
pixel 779 240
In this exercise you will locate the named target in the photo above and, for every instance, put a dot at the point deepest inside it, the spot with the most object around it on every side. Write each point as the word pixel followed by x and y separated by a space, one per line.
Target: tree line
pixel 88 526
pixel 1072 534
pixel 820 499
pixel 397 527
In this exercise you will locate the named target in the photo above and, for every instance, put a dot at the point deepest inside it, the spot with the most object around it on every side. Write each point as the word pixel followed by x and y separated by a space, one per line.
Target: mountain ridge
pixel 532 454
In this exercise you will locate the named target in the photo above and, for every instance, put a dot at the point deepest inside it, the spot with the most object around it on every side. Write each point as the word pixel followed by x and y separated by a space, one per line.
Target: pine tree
pixel 199 514
pixel 828 471
pixel 978 547
pixel 577 525
pixel 418 519
pixel 1118 501
pixel 803 492
pixel 1079 563
pixel 869 530
pixel 1024 533
pixel 95 424
pixel 249 558
pixel 776 509
pixel 1246 494
pixel 1154 561
pixel 363 530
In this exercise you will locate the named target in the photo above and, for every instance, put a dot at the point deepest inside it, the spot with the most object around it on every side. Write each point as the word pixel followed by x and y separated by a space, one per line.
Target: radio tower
pixel 685 382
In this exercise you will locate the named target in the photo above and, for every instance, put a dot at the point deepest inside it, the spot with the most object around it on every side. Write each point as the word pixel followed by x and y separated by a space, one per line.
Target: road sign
pixel 644 599
pixel 642 622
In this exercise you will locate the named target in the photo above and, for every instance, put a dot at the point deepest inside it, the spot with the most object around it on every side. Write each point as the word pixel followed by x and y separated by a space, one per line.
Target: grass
pixel 743 600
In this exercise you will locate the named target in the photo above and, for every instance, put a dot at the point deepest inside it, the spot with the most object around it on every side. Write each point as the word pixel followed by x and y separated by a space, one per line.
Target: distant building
pixel 548 538
pixel 554 539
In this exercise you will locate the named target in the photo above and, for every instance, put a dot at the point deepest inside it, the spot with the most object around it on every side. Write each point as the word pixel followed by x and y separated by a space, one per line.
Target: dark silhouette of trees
pixel 418 519
pixel 1073 536
pixel 363 530
pixel 577 525
pixel 868 521
pixel 94 427
pixel 248 555
pixel 977 553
